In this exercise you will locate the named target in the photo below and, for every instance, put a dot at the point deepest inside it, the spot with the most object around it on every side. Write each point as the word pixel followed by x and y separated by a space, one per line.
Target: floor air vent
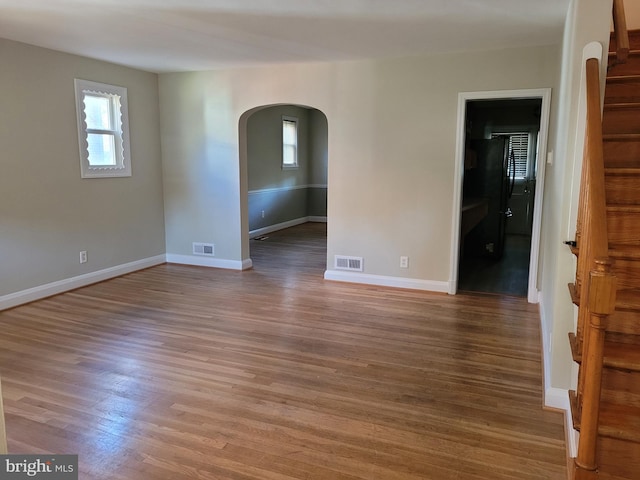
pixel 353 264
pixel 203 249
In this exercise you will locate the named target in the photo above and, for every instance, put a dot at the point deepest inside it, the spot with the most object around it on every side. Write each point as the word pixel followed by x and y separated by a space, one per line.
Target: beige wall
pixel 392 137
pixel 632 11
pixel 48 214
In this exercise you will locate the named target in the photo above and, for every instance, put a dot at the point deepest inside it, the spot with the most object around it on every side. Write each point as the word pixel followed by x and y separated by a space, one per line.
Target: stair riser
pixel 625 120
pixel 623 227
pixel 627 273
pixel 622 189
pixel 630 67
pixel 622 153
pixel 620 387
pixel 618 457
pixel 622 92
pixel 622 321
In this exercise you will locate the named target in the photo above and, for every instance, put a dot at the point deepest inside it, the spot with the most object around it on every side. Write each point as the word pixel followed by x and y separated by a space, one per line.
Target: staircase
pixel 616 431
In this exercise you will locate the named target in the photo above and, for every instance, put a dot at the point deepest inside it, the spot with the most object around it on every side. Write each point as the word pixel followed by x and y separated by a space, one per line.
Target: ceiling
pixel 186 35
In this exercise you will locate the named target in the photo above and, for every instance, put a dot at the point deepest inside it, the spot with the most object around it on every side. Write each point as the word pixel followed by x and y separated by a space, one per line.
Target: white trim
pixel 546 335
pixel 247 264
pixel 209 262
pixel 286 188
pixel 277 226
pixel 36 293
pixel 317 219
pixel 120 131
pixel 558 398
pixel 386 281
pixel 545 95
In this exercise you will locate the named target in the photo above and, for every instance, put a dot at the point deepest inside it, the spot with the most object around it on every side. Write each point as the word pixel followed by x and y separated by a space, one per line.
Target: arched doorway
pixel 284 159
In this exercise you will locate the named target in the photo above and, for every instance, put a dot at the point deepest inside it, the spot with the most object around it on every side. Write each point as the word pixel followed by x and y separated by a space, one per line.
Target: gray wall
pixel 285 194
pixel 48 214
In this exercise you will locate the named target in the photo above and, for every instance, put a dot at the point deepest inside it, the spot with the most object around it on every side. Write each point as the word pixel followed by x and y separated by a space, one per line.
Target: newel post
pixel 602 297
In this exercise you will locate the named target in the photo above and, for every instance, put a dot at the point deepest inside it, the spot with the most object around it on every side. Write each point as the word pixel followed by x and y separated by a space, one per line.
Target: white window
pixel 103 130
pixel 289 142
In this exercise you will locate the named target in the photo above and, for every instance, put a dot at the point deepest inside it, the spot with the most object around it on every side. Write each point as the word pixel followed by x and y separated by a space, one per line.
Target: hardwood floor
pixel 180 372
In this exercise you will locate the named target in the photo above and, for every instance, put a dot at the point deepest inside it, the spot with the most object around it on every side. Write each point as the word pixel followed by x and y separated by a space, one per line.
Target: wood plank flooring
pixel 181 372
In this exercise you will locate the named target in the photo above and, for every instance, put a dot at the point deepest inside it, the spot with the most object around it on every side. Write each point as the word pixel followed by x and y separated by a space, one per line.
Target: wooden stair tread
pixel 621 137
pixel 623 208
pixel 628 299
pixel 576 354
pixel 622 171
pixel 623 253
pixel 621 356
pixel 623 78
pixel 622 106
pixel 575 295
pixel 615 421
pixel 620 421
pixel 631 52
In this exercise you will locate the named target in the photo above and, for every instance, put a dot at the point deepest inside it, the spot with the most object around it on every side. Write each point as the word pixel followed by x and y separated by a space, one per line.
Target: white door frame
pixel 543 94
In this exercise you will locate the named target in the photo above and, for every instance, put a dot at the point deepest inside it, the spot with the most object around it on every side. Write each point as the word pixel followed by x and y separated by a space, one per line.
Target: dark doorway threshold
pixel 506 276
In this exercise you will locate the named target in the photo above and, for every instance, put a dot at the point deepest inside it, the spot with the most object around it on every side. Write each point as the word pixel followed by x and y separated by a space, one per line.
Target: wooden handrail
pixel 592 209
pixel 597 286
pixel 621 32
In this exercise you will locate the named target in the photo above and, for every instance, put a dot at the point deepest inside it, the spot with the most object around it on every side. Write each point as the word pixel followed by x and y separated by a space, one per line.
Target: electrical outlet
pixel 83 256
pixel 262 213
pixel 404 262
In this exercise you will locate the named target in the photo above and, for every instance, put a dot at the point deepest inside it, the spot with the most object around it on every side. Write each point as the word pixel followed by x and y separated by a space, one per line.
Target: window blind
pixel 519 147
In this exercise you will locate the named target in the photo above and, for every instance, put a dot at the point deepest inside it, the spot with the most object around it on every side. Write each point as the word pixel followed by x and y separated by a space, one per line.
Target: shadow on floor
pixel 507 276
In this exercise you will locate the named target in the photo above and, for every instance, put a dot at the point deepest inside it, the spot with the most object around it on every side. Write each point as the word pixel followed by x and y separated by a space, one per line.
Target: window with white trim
pixel 289 142
pixel 519 149
pixel 103 129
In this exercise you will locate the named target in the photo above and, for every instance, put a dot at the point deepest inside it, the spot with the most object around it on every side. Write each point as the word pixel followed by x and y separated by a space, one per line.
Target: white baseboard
pixel 386 281
pixel 36 293
pixel 317 219
pixel 277 226
pixel 558 398
pixel 209 262
pixel 533 296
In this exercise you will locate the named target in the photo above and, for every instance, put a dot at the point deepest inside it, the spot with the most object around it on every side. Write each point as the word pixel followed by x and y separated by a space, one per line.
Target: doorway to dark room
pixel 498 195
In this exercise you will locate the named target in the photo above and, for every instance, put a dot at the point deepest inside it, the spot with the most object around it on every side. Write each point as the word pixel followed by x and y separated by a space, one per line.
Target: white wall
pixel 48 214
pixel 587 21
pixel 392 129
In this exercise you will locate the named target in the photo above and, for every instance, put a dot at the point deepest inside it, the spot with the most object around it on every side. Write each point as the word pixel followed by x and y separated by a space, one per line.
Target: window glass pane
pixel 98 112
pixel 289 142
pixel 102 149
pixel 288 154
pixel 288 132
